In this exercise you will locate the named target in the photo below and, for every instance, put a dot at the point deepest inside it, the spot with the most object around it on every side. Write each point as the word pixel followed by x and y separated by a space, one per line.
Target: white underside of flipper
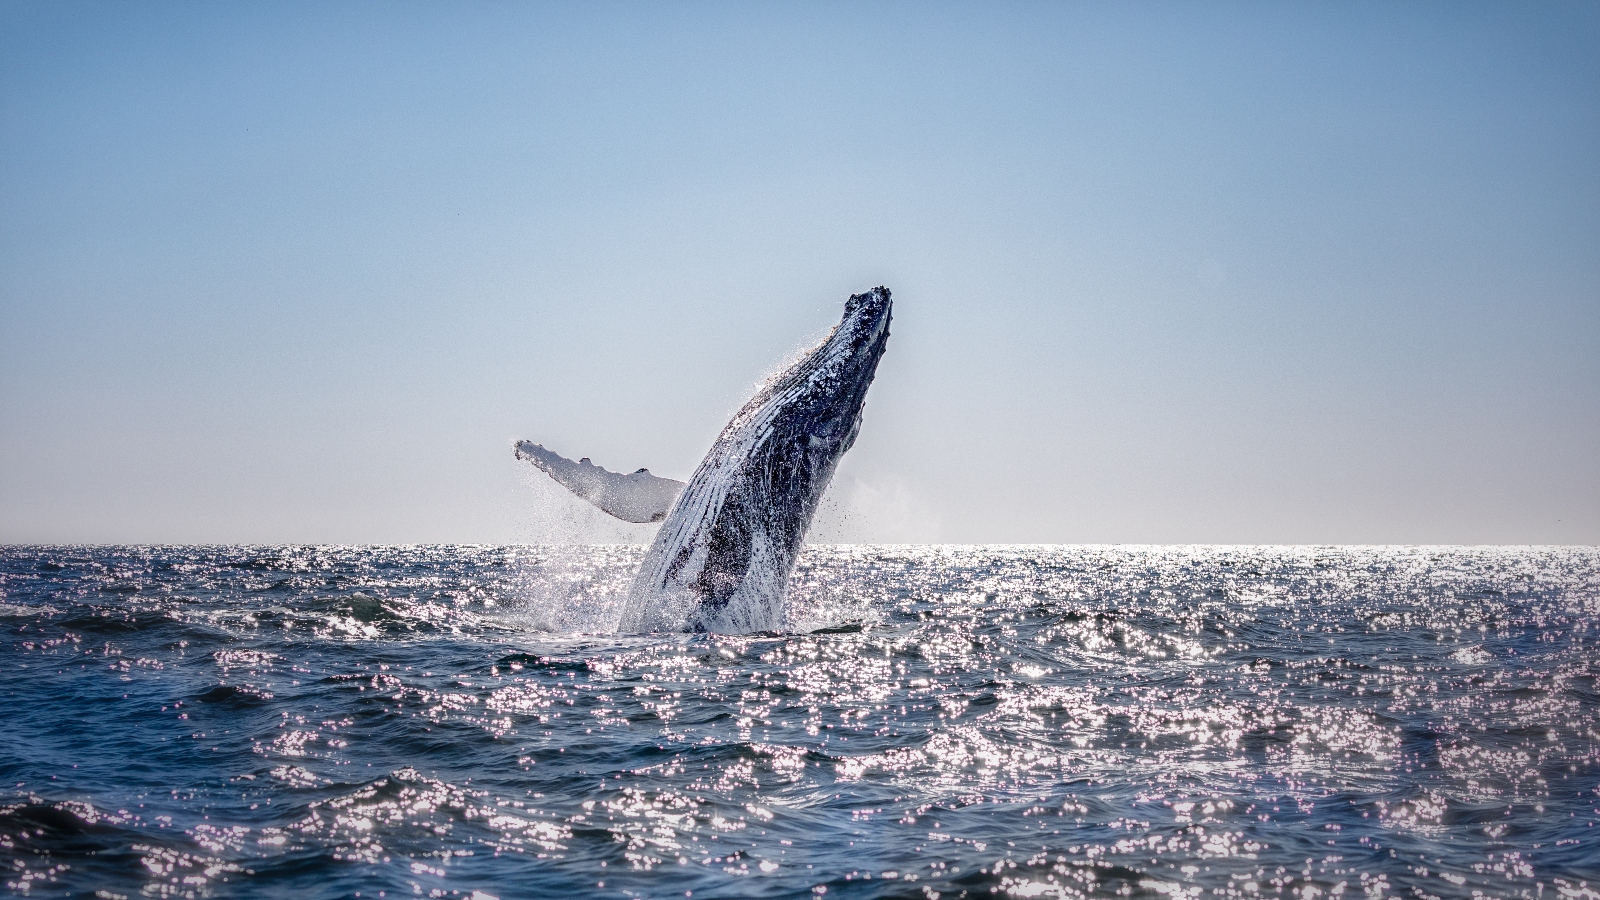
pixel 639 497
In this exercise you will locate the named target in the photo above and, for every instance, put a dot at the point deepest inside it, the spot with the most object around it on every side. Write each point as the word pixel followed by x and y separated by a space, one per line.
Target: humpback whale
pixel 729 538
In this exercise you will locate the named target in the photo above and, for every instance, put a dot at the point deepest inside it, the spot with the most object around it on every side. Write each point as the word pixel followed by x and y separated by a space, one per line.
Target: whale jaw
pixel 722 559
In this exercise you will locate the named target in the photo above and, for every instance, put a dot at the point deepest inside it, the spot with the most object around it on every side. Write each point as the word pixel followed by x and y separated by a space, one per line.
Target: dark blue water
pixel 936 722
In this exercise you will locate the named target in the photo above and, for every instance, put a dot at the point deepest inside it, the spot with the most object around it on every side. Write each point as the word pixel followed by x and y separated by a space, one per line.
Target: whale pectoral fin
pixel 639 497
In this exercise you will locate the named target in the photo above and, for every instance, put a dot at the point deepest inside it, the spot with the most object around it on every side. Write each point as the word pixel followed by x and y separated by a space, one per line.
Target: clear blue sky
pixel 1232 272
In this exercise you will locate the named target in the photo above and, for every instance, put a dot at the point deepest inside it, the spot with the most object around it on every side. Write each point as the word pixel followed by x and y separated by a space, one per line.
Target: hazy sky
pixel 1224 272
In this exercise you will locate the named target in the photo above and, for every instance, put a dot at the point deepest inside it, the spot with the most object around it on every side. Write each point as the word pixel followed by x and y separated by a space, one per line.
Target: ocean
pixel 932 722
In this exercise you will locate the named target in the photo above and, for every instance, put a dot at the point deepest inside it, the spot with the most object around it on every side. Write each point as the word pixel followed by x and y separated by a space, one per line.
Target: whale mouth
pixel 869 312
pixel 862 332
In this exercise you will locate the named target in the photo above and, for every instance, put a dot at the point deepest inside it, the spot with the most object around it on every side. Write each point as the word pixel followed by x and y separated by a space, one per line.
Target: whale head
pixel 831 382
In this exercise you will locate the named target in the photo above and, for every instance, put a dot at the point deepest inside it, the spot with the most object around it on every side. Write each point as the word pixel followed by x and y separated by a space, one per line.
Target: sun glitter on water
pixel 1310 722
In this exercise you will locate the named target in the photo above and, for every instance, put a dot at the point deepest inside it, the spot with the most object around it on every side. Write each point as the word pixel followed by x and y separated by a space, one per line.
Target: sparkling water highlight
pixel 934 722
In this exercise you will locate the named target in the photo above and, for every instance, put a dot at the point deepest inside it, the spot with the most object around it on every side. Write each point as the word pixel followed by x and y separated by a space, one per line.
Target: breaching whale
pixel 730 537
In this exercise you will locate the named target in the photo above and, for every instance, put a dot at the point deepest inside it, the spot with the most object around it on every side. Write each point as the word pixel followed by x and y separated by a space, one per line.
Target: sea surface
pixel 934 722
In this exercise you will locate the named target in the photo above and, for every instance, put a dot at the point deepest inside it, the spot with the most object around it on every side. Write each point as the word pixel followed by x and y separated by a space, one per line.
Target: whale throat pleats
pixel 639 497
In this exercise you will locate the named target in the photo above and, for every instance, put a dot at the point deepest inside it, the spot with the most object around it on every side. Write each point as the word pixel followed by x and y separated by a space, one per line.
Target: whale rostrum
pixel 729 539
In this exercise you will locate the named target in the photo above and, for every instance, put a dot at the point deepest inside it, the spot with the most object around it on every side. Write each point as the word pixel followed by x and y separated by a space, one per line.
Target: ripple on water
pixel 1027 721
